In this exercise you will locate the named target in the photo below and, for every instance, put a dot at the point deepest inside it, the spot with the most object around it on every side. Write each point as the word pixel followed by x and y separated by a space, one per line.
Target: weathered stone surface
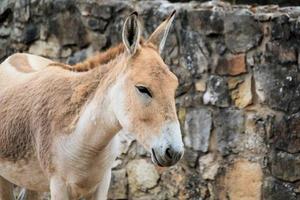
pixel 279 86
pixel 3 51
pixel 280 27
pixel 217 92
pixel 4 31
pixel 242 32
pixel 99 41
pixel 67 26
pixel 286 133
pixel 200 85
pixel 185 80
pixel 172 182
pixel 243 181
pixel 233 65
pixel 209 166
pixel 229 125
pixel 242 96
pixel 142 176
pixel 233 82
pixel 253 142
pixel 286 166
pixel 276 190
pixel 281 52
pixel 193 188
pixel 96 24
pixel 49 48
pixel 190 157
pixel 118 185
pixel 102 11
pixel 206 21
pixel 80 55
pixel 31 33
pixel 198 124
pixel 195 56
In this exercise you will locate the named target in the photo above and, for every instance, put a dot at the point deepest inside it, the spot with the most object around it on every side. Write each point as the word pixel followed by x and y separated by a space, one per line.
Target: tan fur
pixel 41 119
pixel 21 63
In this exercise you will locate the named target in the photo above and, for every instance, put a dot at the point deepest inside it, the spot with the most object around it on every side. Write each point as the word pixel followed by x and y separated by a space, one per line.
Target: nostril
pixel 178 156
pixel 169 153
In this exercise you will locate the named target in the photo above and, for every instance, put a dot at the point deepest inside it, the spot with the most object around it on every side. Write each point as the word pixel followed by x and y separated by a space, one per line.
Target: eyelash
pixel 144 90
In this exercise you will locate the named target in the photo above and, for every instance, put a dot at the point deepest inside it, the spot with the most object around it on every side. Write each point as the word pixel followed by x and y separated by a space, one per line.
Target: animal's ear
pixel 131 33
pixel 159 36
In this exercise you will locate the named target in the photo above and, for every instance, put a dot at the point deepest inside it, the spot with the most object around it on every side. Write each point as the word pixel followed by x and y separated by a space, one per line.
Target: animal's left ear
pixel 159 36
pixel 131 33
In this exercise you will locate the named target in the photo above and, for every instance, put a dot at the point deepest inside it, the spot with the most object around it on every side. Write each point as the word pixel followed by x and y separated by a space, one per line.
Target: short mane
pixel 100 58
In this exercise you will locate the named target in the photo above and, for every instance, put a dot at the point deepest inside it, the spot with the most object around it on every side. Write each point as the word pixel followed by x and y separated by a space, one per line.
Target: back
pixel 18 66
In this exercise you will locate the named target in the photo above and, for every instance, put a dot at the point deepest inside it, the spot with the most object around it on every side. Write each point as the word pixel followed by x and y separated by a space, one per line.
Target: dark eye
pixel 144 90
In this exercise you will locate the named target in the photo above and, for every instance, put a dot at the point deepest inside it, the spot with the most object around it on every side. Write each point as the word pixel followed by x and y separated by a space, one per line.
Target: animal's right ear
pixel 131 33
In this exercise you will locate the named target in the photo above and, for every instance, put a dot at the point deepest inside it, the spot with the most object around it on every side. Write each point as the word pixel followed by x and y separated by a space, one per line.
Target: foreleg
pixel 28 195
pixel 58 189
pixel 102 189
pixel 6 190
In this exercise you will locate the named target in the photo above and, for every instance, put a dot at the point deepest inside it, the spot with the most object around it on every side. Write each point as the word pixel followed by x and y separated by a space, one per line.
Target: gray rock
pixel 3 50
pixel 66 25
pixel 207 22
pixel 101 11
pixel 278 86
pixel 217 92
pixel 96 24
pixel 281 52
pixel 286 133
pixel 80 56
pixel 281 28
pixel 30 33
pixel 22 10
pixel 229 125
pixel 5 31
pixel 194 54
pixel 286 166
pixel 198 124
pixel 118 185
pixel 190 157
pixel 242 32
pixel 276 190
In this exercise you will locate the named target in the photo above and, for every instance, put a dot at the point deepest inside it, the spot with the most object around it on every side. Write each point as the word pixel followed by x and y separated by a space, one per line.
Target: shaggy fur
pixel 60 125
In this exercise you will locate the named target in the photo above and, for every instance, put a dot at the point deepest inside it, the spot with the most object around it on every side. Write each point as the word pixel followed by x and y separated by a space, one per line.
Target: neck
pixel 97 124
pixel 92 145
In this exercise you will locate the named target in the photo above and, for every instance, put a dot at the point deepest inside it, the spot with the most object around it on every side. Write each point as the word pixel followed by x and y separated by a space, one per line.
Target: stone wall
pixel 238 99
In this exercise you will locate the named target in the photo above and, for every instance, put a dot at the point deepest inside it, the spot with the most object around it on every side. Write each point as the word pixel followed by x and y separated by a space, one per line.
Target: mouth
pixel 155 158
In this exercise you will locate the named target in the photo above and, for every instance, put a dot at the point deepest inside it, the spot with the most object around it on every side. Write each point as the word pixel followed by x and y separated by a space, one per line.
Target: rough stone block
pixel 229 125
pixel 217 92
pixel 286 166
pixel 118 185
pixel 242 96
pixel 242 181
pixel 233 65
pixel 198 124
pixel 206 21
pixel 278 86
pixel 242 32
pixel 142 176
pixel 286 133
pixel 276 190
pixel 49 48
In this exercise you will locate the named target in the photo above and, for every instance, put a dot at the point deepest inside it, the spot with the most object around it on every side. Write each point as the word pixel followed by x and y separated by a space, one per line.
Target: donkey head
pixel 145 103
